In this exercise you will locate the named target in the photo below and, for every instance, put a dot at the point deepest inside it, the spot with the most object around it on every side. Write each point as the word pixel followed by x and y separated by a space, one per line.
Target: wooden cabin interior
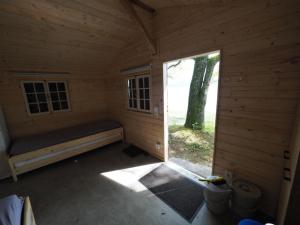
pixel 66 68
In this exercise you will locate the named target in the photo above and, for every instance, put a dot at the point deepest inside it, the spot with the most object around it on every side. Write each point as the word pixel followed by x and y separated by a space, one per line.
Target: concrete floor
pixel 199 169
pixel 99 187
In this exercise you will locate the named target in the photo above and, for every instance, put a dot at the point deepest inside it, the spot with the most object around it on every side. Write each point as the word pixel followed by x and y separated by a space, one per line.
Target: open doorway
pixel 192 96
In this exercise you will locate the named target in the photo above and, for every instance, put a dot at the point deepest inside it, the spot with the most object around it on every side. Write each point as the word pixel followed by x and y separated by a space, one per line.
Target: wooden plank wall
pixel 291 163
pixel 87 99
pixel 259 88
pixel 79 37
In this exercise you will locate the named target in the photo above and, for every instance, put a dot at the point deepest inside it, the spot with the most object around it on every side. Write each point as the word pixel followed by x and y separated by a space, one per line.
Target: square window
pixel 139 93
pixel 36 96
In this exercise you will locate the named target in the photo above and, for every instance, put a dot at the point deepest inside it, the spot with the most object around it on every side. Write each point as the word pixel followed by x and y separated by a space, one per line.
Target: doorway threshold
pixel 200 170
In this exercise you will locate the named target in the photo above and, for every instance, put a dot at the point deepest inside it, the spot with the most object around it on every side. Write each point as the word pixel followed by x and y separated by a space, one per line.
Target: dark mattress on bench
pixel 35 142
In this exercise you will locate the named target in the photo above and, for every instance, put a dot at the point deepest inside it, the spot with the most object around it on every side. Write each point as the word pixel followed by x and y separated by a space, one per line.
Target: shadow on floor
pixel 99 187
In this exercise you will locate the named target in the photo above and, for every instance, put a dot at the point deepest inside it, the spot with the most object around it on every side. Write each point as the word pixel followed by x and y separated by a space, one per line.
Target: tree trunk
pixel 203 70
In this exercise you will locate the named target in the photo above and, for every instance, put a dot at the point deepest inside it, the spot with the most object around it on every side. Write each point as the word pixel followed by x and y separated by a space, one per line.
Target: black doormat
pixel 134 151
pixel 182 194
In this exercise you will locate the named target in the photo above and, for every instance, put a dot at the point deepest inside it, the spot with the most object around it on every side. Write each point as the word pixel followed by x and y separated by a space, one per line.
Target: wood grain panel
pixel 94 40
pixel 259 88
pixel 87 99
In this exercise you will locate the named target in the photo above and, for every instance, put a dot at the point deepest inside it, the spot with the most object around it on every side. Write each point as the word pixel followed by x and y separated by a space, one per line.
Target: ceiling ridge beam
pixel 131 11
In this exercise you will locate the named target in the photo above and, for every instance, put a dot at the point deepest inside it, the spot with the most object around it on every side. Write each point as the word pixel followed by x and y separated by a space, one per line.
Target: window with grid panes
pixel 58 96
pixel 44 97
pixel 36 99
pixel 144 93
pixel 139 93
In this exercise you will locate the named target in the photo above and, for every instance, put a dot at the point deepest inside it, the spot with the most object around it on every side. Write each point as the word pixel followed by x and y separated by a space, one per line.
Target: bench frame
pixel 28 216
pixel 68 149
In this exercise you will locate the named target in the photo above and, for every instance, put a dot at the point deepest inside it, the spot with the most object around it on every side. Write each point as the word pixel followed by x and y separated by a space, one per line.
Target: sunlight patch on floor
pixel 129 177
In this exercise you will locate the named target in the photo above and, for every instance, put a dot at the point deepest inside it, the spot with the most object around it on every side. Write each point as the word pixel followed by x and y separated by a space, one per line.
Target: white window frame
pixel 128 94
pixel 67 95
pixel 138 109
pixel 26 100
pixel 48 98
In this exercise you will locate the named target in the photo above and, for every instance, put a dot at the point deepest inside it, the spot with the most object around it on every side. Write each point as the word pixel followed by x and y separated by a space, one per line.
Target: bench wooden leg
pixel 12 169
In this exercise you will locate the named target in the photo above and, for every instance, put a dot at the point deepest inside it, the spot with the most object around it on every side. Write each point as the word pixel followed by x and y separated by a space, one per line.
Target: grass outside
pixel 193 145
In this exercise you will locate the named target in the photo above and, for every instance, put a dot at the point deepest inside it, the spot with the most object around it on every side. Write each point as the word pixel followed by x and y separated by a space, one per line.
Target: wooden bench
pixel 40 150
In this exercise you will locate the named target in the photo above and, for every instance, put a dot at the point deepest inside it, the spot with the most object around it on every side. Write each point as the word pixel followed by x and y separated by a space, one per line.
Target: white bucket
pixel 245 198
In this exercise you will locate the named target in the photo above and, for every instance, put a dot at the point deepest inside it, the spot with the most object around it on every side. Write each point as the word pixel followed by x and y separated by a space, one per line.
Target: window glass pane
pixel 147 104
pixel 62 96
pixel 39 87
pixel 130 103
pixel 146 82
pixel 41 97
pixel 133 83
pixel 33 108
pixel 61 86
pixel 139 98
pixel 43 107
pixel 54 96
pixel 141 94
pixel 31 98
pixel 55 106
pixel 134 93
pixel 64 105
pixel 147 95
pixel 28 87
pixel 142 104
pixel 36 96
pixel 141 84
pixel 52 87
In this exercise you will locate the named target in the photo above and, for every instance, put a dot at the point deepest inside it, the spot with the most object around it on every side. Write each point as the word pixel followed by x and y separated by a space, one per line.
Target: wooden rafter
pixel 129 7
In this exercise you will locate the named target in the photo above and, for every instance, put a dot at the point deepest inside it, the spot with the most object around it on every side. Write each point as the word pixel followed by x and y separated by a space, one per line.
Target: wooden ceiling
pixel 45 34
pixel 64 35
